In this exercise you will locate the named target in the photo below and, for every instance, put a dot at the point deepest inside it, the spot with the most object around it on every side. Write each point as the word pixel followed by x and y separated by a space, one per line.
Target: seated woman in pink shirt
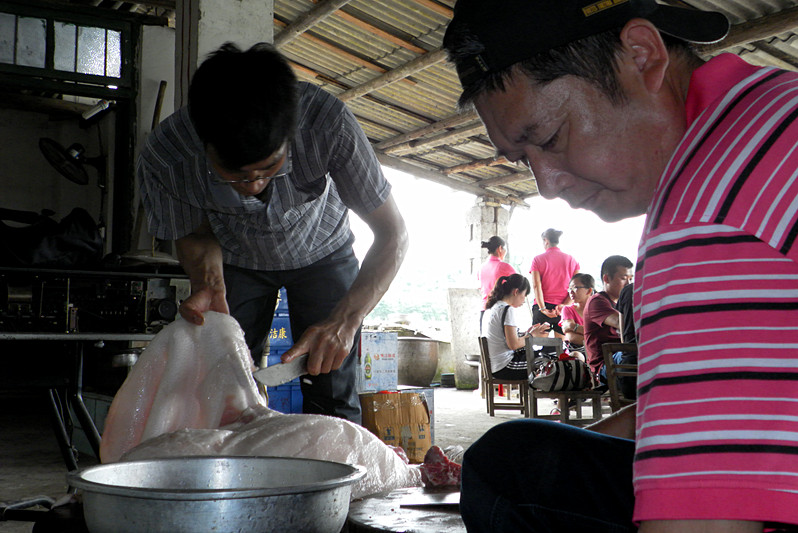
pixel 580 289
pixel 493 268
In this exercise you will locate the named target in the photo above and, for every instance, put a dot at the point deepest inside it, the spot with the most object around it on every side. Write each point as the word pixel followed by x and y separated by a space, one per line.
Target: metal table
pixel 74 385
pixel 408 510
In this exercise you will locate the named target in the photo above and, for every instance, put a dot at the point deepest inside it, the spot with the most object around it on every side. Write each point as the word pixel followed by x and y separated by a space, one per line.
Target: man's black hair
pixel 612 263
pixel 593 59
pixel 244 103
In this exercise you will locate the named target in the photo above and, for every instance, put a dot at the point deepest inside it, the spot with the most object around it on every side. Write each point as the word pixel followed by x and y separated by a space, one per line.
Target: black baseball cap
pixel 515 30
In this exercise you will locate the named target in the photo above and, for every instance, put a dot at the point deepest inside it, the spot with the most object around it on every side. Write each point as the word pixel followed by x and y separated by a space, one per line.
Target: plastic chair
pixel 489 382
pixel 614 371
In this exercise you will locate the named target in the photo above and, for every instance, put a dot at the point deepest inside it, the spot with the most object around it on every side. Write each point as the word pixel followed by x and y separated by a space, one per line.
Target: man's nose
pixel 549 178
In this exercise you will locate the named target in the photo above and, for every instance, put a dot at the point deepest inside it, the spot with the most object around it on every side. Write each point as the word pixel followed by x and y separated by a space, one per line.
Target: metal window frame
pixel 74 83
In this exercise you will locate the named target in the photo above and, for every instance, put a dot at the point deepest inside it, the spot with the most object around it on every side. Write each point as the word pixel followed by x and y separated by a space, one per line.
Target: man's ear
pixel 643 45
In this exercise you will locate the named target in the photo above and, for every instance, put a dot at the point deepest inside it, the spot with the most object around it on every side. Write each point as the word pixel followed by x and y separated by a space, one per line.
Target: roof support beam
pixel 392 76
pixel 449 122
pixel 318 76
pixel 304 22
pixel 789 61
pixel 507 179
pixel 477 164
pixel 444 138
pixel 760 29
pixel 437 177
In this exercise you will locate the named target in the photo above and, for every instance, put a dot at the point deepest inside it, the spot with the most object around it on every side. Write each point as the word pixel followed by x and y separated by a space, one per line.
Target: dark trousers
pixel 540 318
pixel 541 476
pixel 312 292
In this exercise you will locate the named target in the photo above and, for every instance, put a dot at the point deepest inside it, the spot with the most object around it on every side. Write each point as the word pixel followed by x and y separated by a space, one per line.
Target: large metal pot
pixel 220 494
pixel 417 361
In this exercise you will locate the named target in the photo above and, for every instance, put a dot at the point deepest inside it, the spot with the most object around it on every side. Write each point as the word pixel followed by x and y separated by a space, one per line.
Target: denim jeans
pixel 543 476
pixel 312 292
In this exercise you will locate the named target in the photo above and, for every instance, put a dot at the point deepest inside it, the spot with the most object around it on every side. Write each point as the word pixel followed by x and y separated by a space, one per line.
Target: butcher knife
pixel 274 375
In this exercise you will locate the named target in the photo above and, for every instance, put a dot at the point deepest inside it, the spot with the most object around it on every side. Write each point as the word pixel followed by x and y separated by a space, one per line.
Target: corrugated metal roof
pixel 430 95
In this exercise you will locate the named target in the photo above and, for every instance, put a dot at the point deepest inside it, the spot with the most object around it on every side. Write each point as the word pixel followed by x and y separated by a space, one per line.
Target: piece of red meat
pixel 438 471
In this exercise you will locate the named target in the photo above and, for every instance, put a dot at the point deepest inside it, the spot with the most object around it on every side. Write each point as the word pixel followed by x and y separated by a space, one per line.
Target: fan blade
pixel 57 156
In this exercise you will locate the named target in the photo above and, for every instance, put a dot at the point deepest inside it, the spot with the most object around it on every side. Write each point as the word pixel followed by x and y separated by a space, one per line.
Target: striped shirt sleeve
pixel 716 309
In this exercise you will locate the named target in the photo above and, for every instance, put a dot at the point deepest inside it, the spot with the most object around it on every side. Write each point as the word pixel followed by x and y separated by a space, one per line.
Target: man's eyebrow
pixel 529 131
pixel 526 133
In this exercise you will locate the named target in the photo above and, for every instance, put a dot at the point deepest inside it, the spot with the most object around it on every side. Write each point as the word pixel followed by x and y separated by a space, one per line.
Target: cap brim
pixel 690 25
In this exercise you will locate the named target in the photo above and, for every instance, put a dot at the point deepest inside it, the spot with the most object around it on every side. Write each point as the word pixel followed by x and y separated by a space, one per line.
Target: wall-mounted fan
pixel 69 162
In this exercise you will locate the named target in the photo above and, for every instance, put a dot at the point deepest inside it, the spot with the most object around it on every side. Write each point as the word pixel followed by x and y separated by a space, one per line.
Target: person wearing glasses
pixel 254 180
pixel 580 289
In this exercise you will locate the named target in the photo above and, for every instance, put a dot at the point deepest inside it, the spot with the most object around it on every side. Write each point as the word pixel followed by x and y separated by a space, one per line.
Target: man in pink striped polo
pixel 613 111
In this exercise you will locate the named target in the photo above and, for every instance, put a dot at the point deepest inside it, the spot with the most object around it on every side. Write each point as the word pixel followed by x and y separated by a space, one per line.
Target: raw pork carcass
pixel 438 471
pixel 192 393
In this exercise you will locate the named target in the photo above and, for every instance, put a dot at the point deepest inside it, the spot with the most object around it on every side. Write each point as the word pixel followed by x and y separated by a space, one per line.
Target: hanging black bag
pixel 73 242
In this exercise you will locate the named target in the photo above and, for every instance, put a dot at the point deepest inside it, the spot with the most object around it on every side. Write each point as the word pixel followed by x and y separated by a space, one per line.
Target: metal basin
pixel 417 361
pixel 220 494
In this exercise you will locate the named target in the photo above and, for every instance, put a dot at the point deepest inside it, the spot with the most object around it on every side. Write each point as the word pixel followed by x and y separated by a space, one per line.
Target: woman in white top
pixel 499 326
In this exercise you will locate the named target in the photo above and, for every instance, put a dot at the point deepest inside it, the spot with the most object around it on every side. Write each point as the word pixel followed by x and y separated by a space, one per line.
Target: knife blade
pixel 275 375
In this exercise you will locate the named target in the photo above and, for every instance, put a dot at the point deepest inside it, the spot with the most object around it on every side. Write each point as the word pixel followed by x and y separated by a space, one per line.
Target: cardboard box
pixel 429 397
pixel 378 369
pixel 399 419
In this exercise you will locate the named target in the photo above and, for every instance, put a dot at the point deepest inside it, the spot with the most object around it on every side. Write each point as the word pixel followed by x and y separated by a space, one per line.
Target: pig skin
pixel 192 393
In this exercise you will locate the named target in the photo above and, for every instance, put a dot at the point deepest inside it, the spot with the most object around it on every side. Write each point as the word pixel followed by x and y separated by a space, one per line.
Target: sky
pixel 436 220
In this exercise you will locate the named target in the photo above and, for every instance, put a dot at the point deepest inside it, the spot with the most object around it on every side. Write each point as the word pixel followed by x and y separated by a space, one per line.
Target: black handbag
pixel 75 241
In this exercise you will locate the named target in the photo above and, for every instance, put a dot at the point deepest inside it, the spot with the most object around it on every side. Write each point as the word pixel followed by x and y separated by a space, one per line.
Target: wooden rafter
pixel 444 138
pixel 312 74
pixel 788 61
pixel 760 29
pixel 392 76
pixel 304 22
pixel 506 179
pixel 433 175
pixel 477 164
pixel 449 122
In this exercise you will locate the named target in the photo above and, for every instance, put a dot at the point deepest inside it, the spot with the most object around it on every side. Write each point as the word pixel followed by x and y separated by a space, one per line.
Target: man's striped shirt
pixel 330 168
pixel 716 307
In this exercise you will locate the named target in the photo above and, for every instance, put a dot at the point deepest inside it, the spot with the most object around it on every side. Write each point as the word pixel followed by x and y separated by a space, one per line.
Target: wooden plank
pixel 397 74
pixel 335 83
pixel 760 29
pixel 444 138
pixel 451 121
pixel 304 22
pixel 477 164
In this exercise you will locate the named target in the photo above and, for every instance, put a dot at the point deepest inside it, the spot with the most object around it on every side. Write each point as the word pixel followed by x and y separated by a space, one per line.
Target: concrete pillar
pixel 464 307
pixel 483 221
pixel 204 25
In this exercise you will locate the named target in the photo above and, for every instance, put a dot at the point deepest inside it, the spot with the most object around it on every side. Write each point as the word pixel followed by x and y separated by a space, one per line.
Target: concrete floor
pixel 31 464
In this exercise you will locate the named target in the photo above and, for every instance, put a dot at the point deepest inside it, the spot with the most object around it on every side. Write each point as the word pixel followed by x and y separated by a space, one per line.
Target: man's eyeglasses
pixel 245 181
